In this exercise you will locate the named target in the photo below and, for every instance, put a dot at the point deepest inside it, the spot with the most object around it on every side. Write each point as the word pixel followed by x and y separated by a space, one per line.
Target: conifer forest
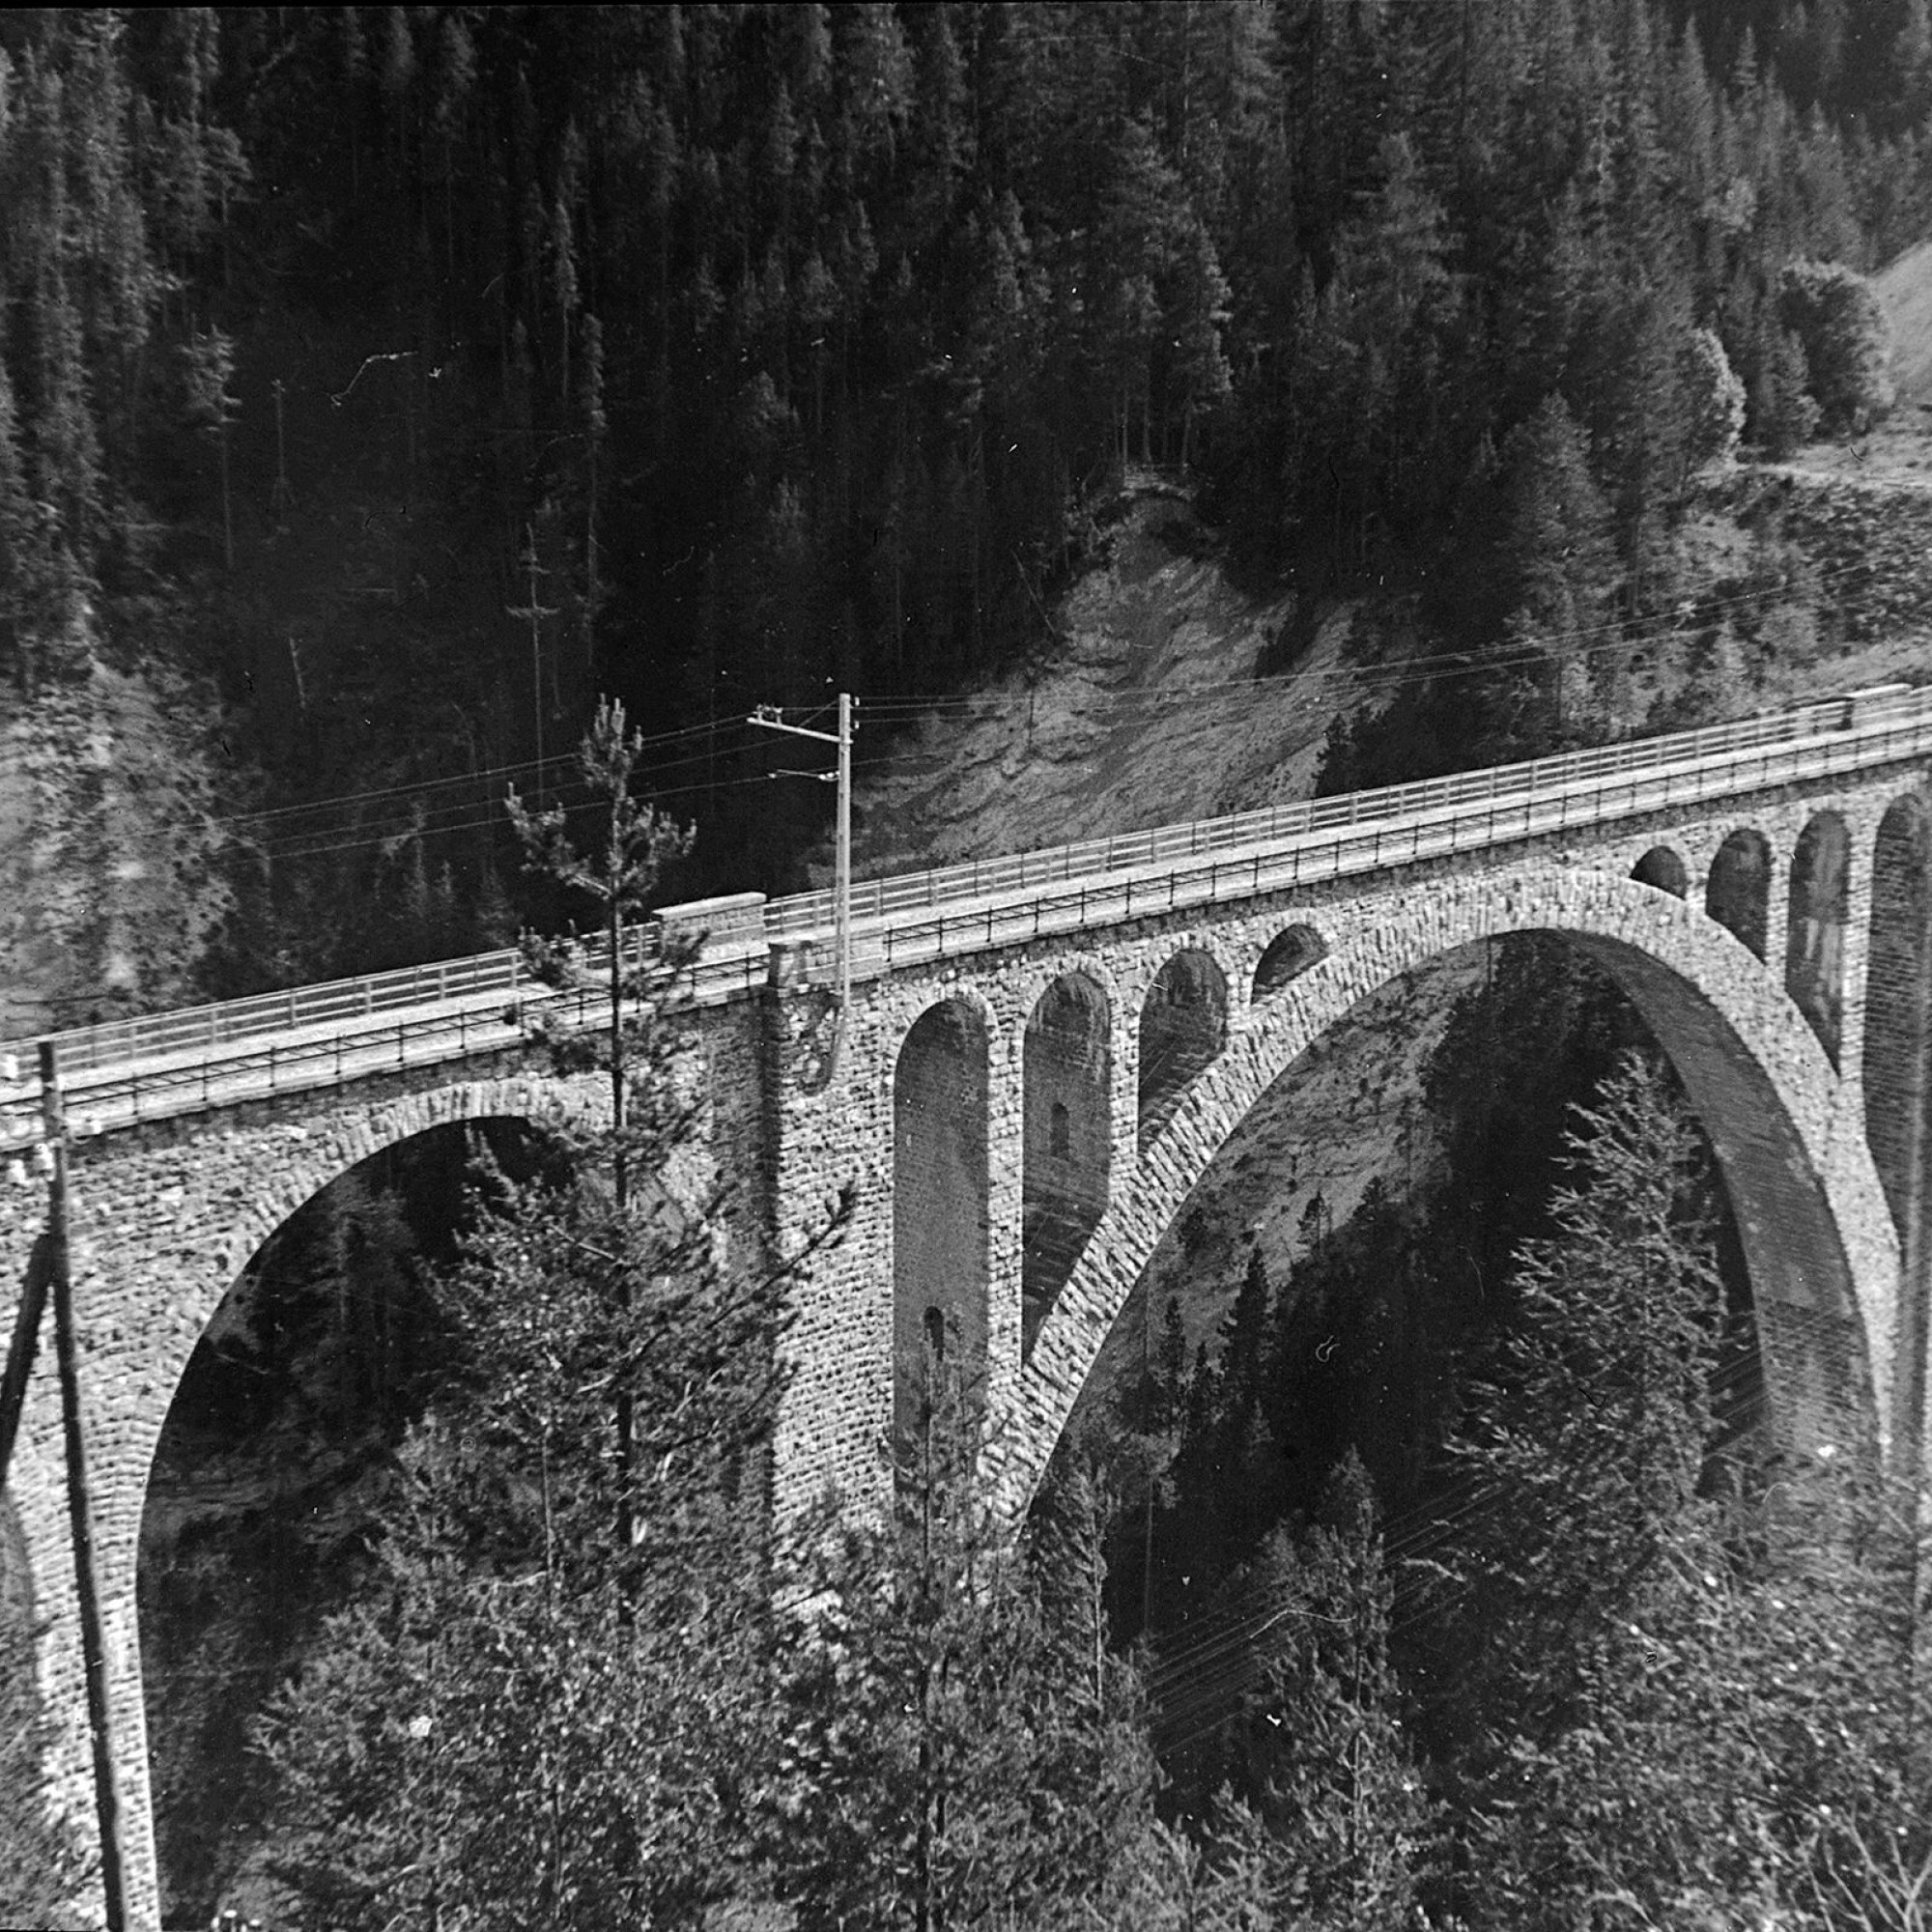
pixel 425 397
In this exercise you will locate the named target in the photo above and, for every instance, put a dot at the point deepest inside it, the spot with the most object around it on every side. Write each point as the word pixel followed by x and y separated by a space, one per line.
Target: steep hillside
pixel 106 832
pixel 1152 706
pixel 1905 288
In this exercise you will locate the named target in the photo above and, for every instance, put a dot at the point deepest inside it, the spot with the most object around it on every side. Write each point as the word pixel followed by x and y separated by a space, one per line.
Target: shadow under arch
pixel 1184 1027
pixel 320 1355
pixel 1737 893
pixel 1818 1245
pixel 1663 868
pixel 1066 1148
pixel 1814 950
pixel 1289 955
pixel 942 1226
pixel 235 1183
pixel 1898 1070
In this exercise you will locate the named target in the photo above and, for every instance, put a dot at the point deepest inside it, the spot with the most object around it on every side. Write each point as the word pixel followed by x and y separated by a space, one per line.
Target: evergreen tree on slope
pixel 960 1747
pixel 547 1711
pixel 1596 1740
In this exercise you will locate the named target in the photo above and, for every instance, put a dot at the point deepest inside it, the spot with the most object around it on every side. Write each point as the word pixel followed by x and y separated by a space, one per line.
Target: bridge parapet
pixel 123 1071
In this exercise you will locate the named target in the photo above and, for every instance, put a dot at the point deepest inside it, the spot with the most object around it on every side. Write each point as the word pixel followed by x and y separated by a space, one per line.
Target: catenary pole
pixel 842 876
pixel 767 718
pixel 80 1513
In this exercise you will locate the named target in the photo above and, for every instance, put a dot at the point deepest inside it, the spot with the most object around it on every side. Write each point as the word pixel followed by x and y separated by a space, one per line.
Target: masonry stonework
pixel 800 1106
pixel 163 1219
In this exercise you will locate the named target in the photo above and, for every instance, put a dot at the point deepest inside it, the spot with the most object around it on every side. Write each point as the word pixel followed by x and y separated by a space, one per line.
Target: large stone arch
pixel 1822 1253
pixel 162 1222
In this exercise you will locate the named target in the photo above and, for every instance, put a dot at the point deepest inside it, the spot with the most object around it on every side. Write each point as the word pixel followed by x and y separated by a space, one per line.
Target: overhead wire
pixel 488 816
pixel 478 810
pixel 415 787
pixel 1618 636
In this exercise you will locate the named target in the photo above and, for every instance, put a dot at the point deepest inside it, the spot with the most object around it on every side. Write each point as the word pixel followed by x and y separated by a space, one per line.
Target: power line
pixel 1618 634
pixel 530 767
pixel 296 845
pixel 488 816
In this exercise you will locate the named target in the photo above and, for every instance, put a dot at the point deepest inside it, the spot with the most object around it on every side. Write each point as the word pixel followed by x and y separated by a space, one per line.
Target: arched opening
pixel 1068 1139
pixel 1184 1028
pixel 1814 951
pixel 1814 1299
pixel 1364 1316
pixel 322 1354
pixel 1356 1349
pixel 940 1219
pixel 1898 988
pixel 1289 955
pixel 1661 867
pixel 1738 892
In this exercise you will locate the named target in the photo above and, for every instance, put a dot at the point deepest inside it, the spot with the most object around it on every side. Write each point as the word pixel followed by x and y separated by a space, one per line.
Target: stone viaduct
pixel 1041 1058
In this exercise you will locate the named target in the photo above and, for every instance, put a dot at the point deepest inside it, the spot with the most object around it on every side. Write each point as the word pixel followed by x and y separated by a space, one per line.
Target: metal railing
pixel 881 898
pixel 146 1067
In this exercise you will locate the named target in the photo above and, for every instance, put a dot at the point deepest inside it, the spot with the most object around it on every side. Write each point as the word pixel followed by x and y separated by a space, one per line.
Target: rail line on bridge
pixel 124 1071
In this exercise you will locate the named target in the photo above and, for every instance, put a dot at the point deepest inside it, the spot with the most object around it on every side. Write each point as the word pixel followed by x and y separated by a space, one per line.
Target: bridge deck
pixel 153 1066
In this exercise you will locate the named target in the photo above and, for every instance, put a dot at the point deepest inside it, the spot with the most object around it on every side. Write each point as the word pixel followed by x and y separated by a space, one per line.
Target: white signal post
pixel 767 716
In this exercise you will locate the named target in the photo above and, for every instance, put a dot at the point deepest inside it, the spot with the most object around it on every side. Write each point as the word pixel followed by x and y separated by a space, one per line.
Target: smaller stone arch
pixel 1184 1028
pixel 1737 893
pixel 1067 1143
pixel 1661 866
pixel 1898 1066
pixel 941 1213
pixel 1290 953
pixel 1814 946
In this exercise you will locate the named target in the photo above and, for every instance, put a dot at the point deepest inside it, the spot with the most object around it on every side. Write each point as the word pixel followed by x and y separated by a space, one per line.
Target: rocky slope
pixel 1151 705
pixel 107 830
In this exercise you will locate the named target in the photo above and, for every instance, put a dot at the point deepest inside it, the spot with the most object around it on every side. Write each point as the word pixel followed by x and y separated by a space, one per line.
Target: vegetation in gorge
pixel 1630 1687
pixel 1569 1693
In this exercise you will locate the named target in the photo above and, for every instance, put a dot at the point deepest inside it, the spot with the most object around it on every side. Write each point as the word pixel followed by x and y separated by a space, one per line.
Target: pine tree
pixel 1320 1753
pixel 1717 399
pixel 1246 1325
pixel 1782 414
pixel 961 1749
pixel 207 369
pixel 546 1708
pixel 1559 555
pixel 20 534
pixel 1836 317
pixel 1580 1655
